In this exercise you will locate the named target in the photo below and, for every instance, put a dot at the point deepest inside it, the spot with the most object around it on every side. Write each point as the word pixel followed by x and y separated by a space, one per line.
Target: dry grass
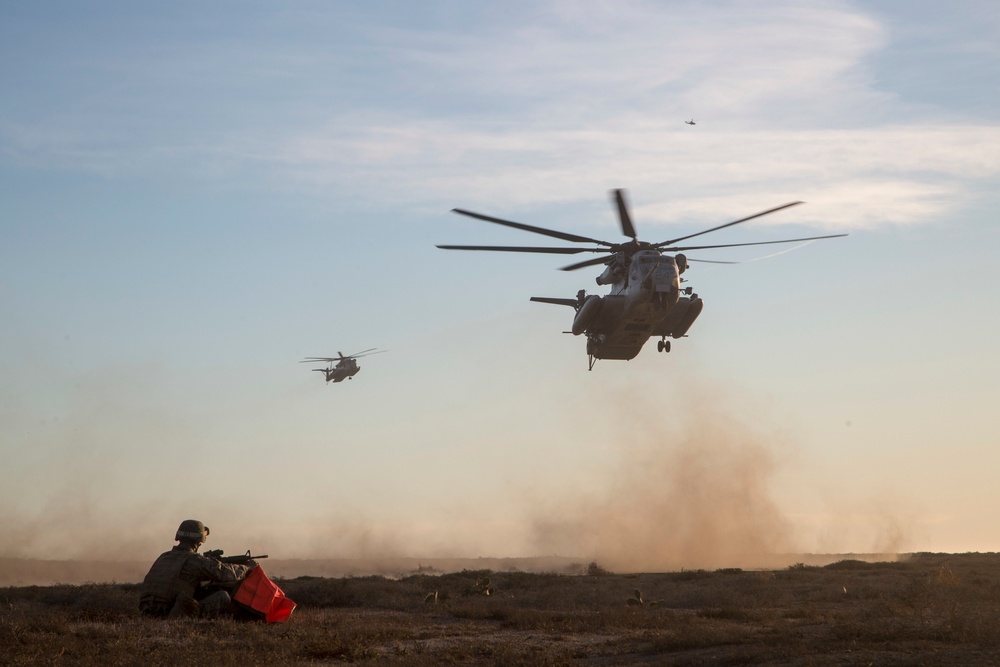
pixel 930 609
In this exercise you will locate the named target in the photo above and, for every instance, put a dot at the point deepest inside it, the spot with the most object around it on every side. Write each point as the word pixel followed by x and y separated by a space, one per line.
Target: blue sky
pixel 193 198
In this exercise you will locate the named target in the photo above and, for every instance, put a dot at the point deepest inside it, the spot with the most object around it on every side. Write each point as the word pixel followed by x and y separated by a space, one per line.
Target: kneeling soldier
pixel 182 582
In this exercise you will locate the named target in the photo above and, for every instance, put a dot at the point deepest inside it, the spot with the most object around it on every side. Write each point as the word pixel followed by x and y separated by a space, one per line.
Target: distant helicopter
pixel 691 122
pixel 646 297
pixel 347 366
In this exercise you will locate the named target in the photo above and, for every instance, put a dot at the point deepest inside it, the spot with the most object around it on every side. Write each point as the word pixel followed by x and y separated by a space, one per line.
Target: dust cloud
pixel 690 483
pixel 691 489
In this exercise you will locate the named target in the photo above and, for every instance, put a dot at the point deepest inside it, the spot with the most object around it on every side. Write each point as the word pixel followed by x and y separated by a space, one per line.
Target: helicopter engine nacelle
pixel 614 272
pixel 587 314
pixel 682 263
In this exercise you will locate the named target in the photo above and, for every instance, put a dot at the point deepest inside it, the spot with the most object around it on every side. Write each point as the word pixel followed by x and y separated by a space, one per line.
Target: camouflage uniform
pixel 172 588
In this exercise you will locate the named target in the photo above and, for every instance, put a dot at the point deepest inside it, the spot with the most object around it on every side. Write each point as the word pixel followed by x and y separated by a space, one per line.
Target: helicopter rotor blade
pixel 710 261
pixel 565 236
pixel 736 245
pixel 728 224
pixel 363 353
pixel 358 353
pixel 610 250
pixel 628 229
pixel 366 353
pixel 590 262
pixel 508 248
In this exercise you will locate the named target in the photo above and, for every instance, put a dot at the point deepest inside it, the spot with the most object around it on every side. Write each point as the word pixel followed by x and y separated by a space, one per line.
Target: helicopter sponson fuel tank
pixel 608 337
pixel 680 318
pixel 587 314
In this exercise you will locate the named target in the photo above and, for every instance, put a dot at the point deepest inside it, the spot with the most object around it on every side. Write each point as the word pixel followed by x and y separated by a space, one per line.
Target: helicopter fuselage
pixel 344 370
pixel 346 366
pixel 645 300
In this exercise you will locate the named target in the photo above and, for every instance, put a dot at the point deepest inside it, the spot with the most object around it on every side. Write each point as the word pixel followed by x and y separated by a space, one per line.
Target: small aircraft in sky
pixel 347 366
pixel 691 122
pixel 646 298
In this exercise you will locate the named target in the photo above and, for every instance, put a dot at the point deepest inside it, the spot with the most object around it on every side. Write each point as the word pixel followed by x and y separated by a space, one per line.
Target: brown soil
pixel 933 609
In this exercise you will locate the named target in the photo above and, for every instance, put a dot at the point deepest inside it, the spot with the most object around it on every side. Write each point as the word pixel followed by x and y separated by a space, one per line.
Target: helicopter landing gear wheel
pixel 663 345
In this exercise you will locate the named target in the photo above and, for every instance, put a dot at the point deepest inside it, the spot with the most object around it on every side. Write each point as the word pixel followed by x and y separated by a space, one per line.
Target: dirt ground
pixel 925 609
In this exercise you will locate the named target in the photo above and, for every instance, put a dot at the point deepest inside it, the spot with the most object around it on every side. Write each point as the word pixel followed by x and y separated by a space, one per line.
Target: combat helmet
pixel 192 531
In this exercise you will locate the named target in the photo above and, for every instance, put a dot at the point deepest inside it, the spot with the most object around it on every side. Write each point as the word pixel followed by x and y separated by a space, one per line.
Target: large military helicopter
pixel 347 366
pixel 646 298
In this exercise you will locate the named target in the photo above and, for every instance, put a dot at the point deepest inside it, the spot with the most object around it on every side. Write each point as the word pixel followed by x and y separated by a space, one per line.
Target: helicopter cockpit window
pixel 644 264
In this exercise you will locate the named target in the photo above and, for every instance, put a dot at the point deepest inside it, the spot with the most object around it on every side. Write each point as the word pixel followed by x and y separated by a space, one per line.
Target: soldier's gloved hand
pixel 251 564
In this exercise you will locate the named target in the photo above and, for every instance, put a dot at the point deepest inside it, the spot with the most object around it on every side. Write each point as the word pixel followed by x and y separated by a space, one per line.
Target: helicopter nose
pixel 666 284
pixel 666 279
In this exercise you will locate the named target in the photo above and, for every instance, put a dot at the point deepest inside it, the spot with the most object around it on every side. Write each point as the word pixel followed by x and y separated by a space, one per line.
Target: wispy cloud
pixel 853 178
pixel 557 103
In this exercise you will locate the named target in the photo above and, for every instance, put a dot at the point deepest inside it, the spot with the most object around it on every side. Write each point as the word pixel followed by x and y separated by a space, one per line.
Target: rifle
pixel 243 559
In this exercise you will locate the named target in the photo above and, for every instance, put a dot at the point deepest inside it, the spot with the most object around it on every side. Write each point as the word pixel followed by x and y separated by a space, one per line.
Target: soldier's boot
pixel 184 607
